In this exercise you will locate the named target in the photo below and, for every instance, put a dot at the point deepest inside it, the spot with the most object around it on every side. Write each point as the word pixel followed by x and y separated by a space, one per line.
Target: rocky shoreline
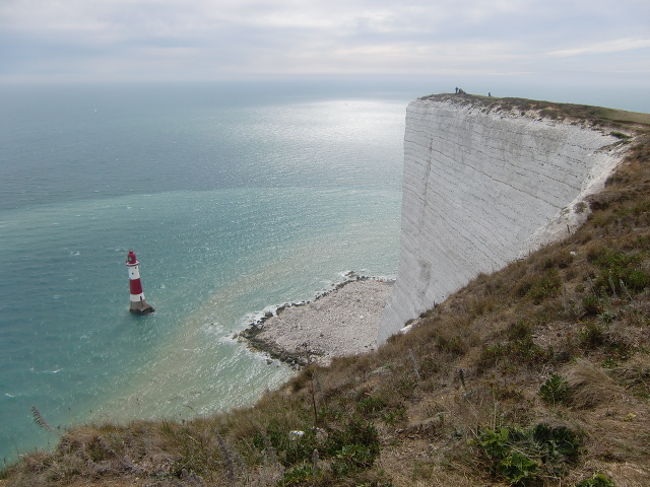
pixel 338 322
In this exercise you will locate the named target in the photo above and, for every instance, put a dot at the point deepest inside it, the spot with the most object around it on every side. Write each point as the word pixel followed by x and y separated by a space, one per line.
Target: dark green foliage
pixel 555 390
pixel 301 475
pixel 514 466
pixel 370 406
pixel 549 285
pixel 597 480
pixel 357 432
pixel 520 349
pixel 351 449
pixel 556 445
pixel 290 450
pixel 352 458
pixel 619 272
pixel 522 456
pixel 594 336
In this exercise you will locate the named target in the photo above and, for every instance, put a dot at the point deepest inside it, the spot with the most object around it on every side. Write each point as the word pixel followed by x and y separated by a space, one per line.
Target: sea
pixel 236 197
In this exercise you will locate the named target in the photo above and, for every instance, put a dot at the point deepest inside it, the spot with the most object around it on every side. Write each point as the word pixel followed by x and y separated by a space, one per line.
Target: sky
pixel 172 40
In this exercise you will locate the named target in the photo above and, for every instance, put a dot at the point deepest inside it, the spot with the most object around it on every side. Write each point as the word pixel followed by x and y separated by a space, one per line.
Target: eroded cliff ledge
pixel 484 183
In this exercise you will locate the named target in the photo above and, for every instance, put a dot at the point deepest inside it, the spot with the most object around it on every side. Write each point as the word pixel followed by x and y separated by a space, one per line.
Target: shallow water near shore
pixel 232 204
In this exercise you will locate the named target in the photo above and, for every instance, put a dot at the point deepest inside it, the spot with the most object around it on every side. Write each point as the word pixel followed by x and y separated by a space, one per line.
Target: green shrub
pixel 512 465
pixel 376 407
pixel 301 475
pixel 555 390
pixel 520 350
pixel 357 432
pixel 371 405
pixel 549 285
pixel 619 272
pixel 556 445
pixel 353 458
pixel 352 448
pixel 290 450
pixel 597 480
pixel 522 456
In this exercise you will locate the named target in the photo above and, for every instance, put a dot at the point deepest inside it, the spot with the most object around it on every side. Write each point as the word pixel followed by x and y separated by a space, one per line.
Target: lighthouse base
pixel 141 307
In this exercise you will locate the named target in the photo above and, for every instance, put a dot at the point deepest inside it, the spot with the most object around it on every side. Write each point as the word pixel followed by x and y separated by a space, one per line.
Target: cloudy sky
pixel 234 39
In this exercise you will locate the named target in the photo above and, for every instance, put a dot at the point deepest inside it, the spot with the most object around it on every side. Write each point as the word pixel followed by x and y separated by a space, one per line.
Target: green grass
pixel 556 111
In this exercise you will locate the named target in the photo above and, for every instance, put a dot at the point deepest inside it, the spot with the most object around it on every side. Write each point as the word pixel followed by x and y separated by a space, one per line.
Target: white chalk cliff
pixel 482 188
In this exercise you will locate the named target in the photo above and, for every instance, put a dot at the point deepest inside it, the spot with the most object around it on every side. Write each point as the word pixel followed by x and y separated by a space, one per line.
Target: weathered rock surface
pixel 481 189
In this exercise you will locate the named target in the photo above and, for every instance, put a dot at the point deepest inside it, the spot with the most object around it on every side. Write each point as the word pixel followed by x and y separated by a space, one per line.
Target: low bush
pixel 619 272
pixel 549 285
pixel 519 349
pixel 597 480
pixel 370 406
pixel 555 390
pixel 522 457
pixel 350 449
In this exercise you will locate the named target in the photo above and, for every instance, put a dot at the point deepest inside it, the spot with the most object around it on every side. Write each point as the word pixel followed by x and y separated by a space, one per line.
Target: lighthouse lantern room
pixel 138 304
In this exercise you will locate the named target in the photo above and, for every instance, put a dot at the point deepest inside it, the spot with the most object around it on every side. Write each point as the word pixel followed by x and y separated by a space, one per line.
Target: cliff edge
pixel 487 181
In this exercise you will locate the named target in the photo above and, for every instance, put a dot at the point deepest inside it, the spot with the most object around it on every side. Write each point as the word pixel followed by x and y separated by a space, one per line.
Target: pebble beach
pixel 338 323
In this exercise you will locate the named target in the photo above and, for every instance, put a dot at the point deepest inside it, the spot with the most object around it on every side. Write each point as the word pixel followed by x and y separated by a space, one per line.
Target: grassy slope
pixel 538 374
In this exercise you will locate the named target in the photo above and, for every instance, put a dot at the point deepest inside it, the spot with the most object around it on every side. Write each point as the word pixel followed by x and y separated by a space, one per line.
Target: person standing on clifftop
pixel 456 89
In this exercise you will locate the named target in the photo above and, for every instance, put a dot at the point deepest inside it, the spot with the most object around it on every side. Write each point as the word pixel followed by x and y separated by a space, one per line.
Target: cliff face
pixel 482 188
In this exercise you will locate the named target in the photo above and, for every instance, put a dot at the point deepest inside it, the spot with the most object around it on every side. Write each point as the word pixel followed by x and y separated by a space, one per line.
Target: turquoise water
pixel 234 198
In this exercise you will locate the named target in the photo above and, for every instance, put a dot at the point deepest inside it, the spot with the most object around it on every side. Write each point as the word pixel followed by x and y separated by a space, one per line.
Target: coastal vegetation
pixel 535 375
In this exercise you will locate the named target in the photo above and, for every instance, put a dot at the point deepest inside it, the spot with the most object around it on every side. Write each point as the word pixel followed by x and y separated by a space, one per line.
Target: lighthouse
pixel 138 304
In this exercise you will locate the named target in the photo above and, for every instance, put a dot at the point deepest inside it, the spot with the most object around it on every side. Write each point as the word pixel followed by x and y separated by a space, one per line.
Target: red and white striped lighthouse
pixel 138 304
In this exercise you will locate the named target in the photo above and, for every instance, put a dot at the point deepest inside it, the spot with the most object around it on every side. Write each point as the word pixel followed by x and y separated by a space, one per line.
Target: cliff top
pixel 594 115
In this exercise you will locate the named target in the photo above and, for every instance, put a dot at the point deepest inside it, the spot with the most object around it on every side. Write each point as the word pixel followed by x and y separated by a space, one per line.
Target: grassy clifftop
pixel 538 374
pixel 592 115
